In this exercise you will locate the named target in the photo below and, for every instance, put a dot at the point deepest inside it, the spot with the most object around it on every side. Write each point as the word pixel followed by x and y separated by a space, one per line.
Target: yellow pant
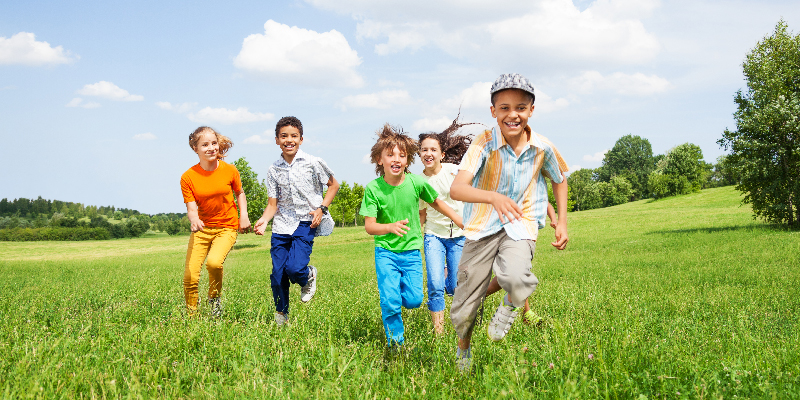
pixel 215 243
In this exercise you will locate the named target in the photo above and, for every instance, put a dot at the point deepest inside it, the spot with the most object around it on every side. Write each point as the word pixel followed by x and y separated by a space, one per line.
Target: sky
pixel 98 98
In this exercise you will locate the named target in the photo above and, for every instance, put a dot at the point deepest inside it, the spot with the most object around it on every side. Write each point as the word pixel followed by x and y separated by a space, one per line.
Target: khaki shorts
pixel 511 262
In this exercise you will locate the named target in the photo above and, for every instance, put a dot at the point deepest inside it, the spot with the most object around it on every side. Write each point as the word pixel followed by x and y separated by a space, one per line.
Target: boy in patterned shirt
pixel 502 183
pixel 295 186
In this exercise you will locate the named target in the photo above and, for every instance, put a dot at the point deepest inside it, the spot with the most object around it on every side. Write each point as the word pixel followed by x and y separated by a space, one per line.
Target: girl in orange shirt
pixel 208 191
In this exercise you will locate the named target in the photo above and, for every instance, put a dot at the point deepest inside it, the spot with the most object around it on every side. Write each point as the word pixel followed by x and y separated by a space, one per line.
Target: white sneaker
pixel 281 319
pixel 502 320
pixel 307 292
pixel 216 307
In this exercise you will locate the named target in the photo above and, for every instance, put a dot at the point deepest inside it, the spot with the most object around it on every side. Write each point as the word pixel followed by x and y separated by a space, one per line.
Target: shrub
pixel 57 233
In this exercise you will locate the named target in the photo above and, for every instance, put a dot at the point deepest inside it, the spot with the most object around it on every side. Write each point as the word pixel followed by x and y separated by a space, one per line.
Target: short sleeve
pixel 236 182
pixel 272 183
pixel 427 193
pixel 369 204
pixel 186 189
pixel 322 171
pixel 554 165
pixel 473 159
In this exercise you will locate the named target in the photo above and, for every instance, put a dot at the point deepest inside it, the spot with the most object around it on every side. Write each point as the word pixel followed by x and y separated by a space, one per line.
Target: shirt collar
pixel 301 155
pixel 500 141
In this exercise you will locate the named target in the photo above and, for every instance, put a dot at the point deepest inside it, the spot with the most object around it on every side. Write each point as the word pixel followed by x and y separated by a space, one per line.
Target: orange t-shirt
pixel 213 193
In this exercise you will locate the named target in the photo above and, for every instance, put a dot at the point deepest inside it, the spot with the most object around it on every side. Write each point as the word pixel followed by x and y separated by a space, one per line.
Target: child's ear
pixel 491 108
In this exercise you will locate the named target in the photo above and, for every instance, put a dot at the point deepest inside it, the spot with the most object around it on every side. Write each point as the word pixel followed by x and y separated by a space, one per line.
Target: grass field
pixel 685 297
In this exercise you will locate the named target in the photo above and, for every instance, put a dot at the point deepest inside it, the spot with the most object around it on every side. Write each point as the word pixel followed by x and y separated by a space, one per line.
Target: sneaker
pixel 216 307
pixel 307 292
pixel 281 319
pixel 502 320
pixel 531 318
pixel 463 359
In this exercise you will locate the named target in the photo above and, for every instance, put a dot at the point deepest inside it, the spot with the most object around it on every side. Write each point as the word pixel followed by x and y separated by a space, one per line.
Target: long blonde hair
pixel 224 142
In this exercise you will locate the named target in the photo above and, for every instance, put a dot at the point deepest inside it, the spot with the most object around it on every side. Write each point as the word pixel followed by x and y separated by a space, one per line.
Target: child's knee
pixel 412 299
pixel 213 265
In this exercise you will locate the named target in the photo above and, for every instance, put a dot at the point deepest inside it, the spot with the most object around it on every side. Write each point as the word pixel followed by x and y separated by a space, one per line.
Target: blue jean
pixel 438 252
pixel 399 285
pixel 290 257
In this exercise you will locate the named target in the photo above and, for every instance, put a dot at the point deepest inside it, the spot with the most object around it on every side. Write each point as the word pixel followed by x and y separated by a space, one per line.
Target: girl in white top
pixel 441 153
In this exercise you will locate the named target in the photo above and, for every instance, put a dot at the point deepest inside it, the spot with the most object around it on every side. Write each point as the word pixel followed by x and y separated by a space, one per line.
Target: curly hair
pixel 224 142
pixel 453 146
pixel 288 121
pixel 389 137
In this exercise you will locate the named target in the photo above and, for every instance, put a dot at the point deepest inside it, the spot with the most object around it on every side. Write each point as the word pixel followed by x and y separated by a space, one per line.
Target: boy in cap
pixel 501 182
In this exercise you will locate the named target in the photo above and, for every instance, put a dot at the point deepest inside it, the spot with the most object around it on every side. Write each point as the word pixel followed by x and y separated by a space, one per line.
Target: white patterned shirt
pixel 298 187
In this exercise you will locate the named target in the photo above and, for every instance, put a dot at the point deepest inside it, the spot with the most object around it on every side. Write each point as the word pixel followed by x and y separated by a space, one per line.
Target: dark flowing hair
pixel 389 137
pixel 453 146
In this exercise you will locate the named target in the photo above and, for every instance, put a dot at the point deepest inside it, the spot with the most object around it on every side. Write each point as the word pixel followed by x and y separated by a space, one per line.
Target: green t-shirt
pixel 389 204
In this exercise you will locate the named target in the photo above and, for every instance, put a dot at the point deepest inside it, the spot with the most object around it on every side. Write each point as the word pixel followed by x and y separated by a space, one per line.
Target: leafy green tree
pixel 346 204
pixel 681 171
pixel 724 173
pixel 614 192
pixel 631 158
pixel 583 190
pixel 255 191
pixel 765 147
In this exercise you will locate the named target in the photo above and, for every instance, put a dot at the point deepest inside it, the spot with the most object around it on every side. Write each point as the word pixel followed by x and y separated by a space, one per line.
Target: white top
pixel 436 223
pixel 298 187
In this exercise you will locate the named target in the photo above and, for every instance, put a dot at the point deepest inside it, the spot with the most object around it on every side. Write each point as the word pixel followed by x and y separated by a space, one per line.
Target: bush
pixel 57 233
pixel 117 231
pixel 664 185
pixel 614 192
pixel 136 227
pixel 173 227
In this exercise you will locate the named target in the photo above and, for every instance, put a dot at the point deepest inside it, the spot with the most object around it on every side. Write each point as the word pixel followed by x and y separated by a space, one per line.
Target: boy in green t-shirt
pixel 390 209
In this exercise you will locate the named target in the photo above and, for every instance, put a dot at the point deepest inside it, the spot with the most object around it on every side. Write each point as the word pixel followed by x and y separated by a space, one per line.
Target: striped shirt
pixel 496 168
pixel 298 187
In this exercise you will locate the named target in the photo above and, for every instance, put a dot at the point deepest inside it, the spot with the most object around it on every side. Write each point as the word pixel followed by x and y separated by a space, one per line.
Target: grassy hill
pixel 681 297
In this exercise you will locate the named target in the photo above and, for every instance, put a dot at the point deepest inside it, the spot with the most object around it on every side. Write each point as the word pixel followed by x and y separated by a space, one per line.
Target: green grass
pixel 685 297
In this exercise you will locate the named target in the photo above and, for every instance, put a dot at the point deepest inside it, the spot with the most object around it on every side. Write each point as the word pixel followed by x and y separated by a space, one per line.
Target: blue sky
pixel 97 99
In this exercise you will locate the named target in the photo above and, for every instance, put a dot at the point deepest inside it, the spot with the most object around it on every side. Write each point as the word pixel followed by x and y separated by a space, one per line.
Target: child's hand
pixel 261 227
pixel 244 224
pixel 197 225
pixel 506 208
pixel 459 222
pixel 561 237
pixel 317 218
pixel 552 224
pixel 399 228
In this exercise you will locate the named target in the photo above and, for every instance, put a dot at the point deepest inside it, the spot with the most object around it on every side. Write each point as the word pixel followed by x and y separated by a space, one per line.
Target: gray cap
pixel 511 81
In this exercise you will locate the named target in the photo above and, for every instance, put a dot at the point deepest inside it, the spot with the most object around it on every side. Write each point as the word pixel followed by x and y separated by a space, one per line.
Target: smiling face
pixel 394 162
pixel 512 108
pixel 207 147
pixel 289 140
pixel 431 153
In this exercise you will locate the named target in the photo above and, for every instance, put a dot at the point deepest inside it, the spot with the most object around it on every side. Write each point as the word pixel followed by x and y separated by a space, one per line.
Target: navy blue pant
pixel 290 257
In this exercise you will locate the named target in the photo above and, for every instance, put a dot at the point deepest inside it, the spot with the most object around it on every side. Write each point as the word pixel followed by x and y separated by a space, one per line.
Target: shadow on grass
pixel 764 227
pixel 245 246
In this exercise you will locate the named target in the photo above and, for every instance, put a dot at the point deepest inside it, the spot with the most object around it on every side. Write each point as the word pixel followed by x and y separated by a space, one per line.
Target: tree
pixel 615 192
pixel 583 190
pixel 256 192
pixel 630 158
pixel 346 204
pixel 765 147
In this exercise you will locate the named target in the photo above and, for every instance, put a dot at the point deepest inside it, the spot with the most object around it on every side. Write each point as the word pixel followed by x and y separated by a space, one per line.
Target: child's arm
pixel 560 192
pixel 372 226
pixel 194 217
pixel 244 220
pixel 442 207
pixel 462 190
pixel 269 212
pixel 551 213
pixel 333 188
pixel 423 216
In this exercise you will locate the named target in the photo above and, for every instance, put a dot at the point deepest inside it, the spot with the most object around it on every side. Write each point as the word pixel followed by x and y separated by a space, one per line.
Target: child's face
pixel 394 161
pixel 512 108
pixel 289 140
pixel 430 152
pixel 207 147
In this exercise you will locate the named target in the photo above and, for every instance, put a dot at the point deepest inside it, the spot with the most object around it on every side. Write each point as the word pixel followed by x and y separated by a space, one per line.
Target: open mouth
pixel 512 124
pixel 427 159
pixel 396 168
pixel 289 146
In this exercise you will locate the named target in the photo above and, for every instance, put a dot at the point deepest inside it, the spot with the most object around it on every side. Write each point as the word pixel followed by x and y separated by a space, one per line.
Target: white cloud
pixel 637 84
pixel 596 157
pixel 108 90
pixel 78 102
pixel 574 168
pixel 179 108
pixel 301 55
pixel 382 100
pixel 263 138
pixel 367 159
pixel 608 31
pixel 431 124
pixel 23 49
pixel 144 136
pixel 475 96
pixel 546 104
pixel 226 116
